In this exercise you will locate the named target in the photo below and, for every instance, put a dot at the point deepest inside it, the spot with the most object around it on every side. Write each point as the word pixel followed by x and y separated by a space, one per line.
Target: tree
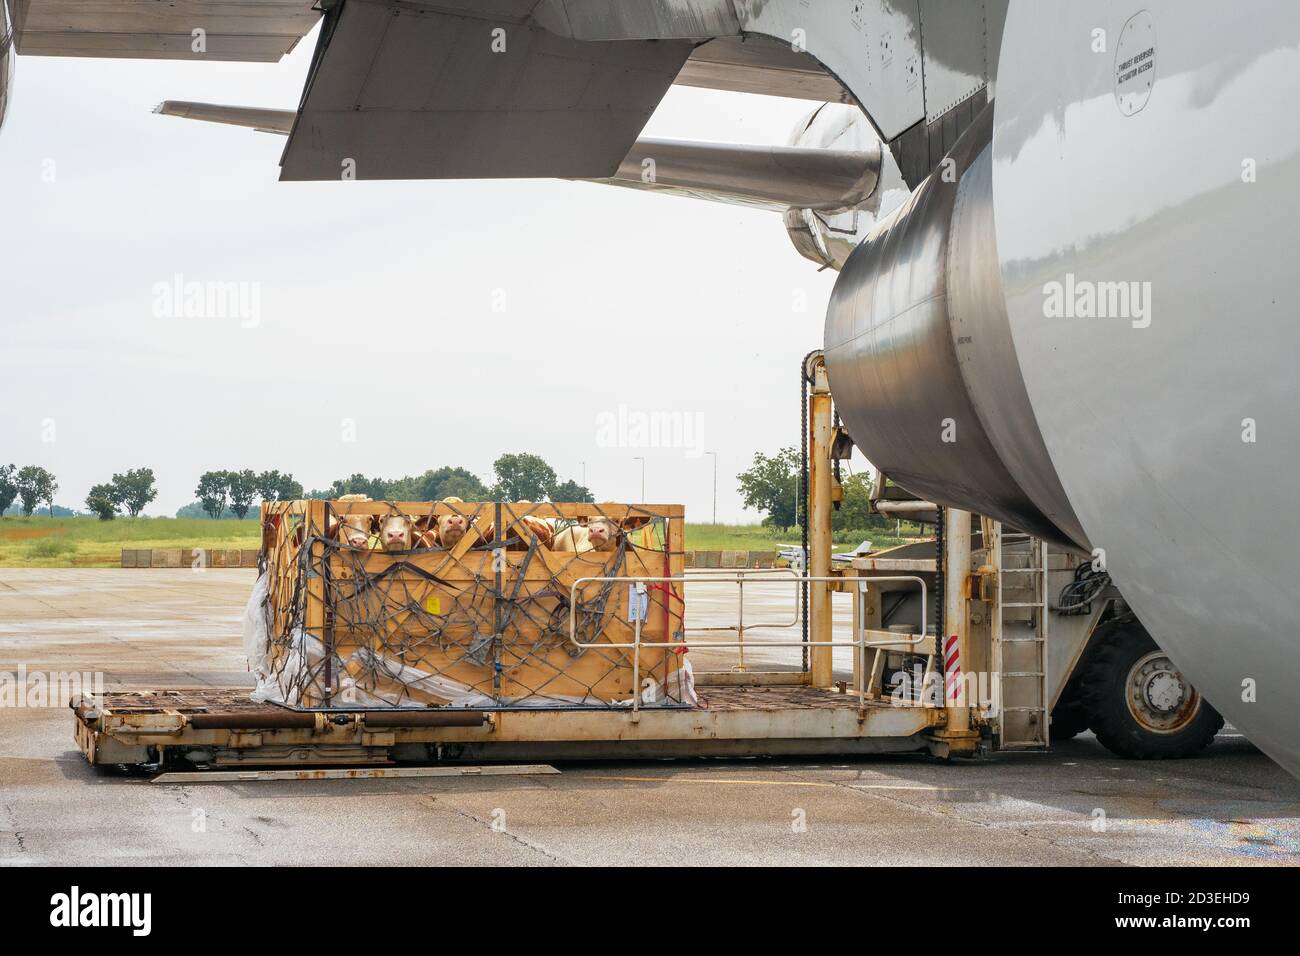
pixel 36 485
pixel 358 484
pixel 571 491
pixel 102 500
pixel 243 489
pixel 8 487
pixel 134 490
pixel 522 477
pixel 213 492
pixel 771 485
pixel 450 481
pixel 464 487
pixel 854 512
pixel 273 486
pixel 49 488
pixel 405 488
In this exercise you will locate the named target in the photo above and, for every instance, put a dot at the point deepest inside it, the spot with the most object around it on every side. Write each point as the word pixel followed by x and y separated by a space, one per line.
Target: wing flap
pixel 259 31
pixel 417 93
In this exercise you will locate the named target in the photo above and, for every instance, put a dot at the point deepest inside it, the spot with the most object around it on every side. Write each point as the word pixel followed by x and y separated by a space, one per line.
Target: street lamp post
pixel 641 459
pixel 584 473
pixel 715 485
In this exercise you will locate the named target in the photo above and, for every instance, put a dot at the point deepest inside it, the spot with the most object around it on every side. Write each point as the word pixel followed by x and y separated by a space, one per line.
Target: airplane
pixel 1064 233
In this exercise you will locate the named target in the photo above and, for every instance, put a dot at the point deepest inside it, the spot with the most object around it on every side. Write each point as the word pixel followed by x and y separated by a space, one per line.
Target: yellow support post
pixel 819 525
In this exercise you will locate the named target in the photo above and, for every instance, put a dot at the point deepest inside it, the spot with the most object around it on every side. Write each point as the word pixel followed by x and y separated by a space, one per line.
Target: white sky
pixel 376 301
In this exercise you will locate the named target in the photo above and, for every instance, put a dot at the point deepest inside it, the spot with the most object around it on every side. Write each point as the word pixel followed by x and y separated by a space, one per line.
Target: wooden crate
pixel 471 625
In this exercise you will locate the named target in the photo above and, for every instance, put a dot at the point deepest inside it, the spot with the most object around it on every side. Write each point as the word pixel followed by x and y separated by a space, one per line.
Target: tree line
pixel 517 477
pixel 30 485
pixel 129 492
pixel 236 490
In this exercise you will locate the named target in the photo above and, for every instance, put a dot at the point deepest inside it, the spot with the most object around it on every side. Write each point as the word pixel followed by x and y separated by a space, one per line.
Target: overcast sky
pixel 400 326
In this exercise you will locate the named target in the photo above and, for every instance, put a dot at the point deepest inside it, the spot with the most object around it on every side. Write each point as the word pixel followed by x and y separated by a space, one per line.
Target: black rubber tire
pixel 1068 721
pixel 1103 688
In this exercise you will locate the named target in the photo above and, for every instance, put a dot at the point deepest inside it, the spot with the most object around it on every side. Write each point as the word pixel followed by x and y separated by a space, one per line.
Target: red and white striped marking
pixel 952 667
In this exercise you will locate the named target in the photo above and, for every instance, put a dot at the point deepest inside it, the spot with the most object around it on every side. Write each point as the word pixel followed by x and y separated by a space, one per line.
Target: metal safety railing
pixel 757 576
pixel 859 642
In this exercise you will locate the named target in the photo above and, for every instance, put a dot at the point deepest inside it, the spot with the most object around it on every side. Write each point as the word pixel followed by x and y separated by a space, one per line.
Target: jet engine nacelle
pixel 921 361
pixel 827 235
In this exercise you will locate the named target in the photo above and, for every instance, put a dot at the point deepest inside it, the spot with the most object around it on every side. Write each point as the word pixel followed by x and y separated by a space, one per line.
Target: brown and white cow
pixel 452 526
pixel 396 532
pixel 352 530
pixel 533 526
pixel 598 534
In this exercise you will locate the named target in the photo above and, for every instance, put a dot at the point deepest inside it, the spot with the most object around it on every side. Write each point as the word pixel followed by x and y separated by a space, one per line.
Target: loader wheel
pixel 1068 720
pixel 1138 703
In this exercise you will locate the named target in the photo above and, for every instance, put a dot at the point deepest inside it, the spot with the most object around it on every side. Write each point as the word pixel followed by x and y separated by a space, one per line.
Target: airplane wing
pixel 260 31
pixel 776 178
pixel 251 117
pixel 450 89
pixel 436 91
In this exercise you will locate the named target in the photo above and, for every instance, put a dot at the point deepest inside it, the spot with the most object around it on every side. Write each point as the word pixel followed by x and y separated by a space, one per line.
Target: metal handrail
pixel 861 643
pixel 708 575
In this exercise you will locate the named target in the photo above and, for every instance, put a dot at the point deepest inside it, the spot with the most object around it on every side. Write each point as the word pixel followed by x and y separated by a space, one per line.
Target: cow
pixel 351 530
pixel 451 527
pixel 354 530
pixel 536 527
pixel 396 532
pixel 598 534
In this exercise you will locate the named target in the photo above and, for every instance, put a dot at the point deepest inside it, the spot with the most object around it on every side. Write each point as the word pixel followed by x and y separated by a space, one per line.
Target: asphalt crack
pixel 516 838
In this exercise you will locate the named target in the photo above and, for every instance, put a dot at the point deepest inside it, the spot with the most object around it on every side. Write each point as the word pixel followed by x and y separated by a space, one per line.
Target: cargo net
pixel 364 604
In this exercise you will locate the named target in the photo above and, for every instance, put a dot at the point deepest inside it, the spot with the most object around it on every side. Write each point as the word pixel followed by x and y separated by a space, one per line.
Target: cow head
pixel 396 532
pixel 452 526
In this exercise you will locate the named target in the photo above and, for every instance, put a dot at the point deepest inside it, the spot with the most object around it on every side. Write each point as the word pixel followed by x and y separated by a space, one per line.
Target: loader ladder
pixel 1020 619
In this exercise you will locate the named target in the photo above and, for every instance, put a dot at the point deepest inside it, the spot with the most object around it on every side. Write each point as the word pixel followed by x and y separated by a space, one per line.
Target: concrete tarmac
pixel 1078 805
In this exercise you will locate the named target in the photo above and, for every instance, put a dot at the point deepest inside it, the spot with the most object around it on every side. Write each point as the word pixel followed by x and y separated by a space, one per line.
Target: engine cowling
pixel 921 360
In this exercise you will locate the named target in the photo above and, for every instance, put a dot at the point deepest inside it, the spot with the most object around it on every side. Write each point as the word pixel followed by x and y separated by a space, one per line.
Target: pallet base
pixel 222 728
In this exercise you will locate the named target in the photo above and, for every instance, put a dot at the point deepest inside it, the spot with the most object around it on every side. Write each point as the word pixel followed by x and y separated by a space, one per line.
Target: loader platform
pixel 221 727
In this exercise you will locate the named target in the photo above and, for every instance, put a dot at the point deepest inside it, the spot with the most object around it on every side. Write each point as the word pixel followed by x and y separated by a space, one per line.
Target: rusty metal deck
pixel 773 698
pixel 230 700
pixel 222 727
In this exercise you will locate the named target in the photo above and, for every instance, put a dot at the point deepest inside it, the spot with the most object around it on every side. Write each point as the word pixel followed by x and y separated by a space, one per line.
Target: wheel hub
pixel 1159 698
pixel 1164 692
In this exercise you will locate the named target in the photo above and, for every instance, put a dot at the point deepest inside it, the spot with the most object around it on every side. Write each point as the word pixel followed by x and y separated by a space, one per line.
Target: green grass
pixel 90 543
pixel 754 537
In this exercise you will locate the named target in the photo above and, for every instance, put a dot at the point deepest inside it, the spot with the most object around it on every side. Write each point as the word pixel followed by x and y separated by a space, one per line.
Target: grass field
pixel 755 537
pixel 90 543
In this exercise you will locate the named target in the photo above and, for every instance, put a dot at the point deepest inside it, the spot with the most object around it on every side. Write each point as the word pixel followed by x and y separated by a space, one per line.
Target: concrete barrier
pixel 731 560
pixel 235 558
pixel 186 558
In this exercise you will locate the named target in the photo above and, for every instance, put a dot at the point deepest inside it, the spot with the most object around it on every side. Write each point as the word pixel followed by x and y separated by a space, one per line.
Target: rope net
pixel 453 604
